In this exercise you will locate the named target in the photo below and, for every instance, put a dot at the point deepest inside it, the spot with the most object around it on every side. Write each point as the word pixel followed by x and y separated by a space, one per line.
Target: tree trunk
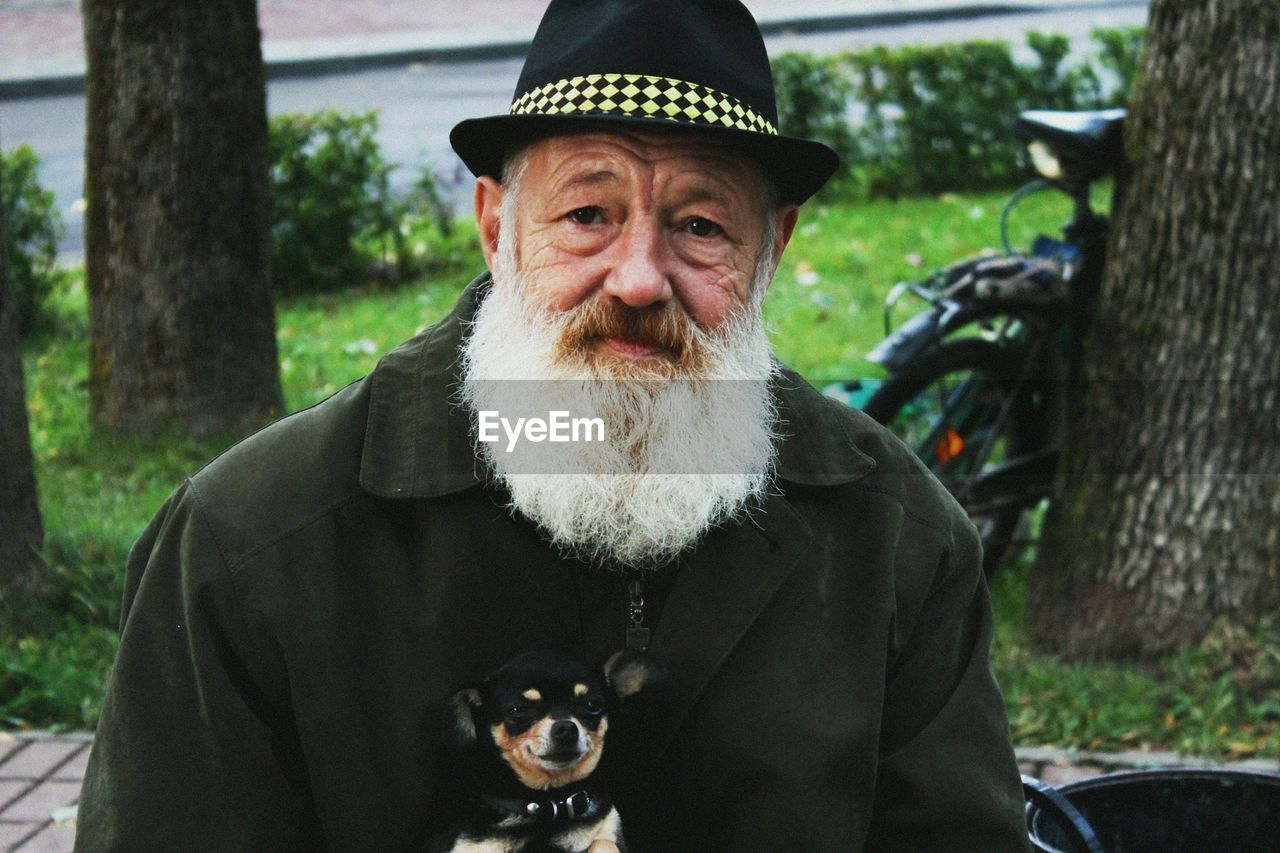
pixel 21 568
pixel 182 329
pixel 1167 516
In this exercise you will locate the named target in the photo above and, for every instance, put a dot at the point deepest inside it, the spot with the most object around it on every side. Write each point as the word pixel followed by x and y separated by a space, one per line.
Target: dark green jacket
pixel 299 612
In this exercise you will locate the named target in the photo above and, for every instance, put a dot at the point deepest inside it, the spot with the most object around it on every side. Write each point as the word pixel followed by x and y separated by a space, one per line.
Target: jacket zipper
pixel 638 634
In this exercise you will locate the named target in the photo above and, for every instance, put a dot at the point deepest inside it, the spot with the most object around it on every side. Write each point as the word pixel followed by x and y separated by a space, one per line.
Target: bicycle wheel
pixel 962 410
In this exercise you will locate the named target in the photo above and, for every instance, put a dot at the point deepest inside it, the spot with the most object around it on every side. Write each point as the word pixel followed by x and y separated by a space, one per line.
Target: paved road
pixel 418 103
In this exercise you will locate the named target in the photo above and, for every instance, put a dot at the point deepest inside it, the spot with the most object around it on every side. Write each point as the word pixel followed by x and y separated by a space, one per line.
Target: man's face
pixel 627 275
pixel 669 226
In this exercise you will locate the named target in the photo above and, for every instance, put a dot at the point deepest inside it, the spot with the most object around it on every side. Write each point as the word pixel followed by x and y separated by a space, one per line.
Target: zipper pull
pixel 638 633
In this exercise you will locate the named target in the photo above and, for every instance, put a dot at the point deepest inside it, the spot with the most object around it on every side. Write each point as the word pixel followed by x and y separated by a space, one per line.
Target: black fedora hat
pixel 695 64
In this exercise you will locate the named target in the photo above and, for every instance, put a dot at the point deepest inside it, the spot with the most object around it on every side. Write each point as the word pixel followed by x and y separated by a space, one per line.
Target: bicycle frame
pixel 1031 307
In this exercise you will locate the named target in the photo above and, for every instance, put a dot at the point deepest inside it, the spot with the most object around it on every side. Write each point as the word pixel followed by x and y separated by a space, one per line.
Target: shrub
pixel 939 117
pixel 424 239
pixel 335 220
pixel 935 116
pixel 33 229
pixel 1053 85
pixel 1119 52
pixel 329 191
pixel 813 102
pixel 929 119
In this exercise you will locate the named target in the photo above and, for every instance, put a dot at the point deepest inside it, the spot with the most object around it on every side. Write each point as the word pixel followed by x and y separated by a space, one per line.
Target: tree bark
pixel 21 534
pixel 182 328
pixel 1167 514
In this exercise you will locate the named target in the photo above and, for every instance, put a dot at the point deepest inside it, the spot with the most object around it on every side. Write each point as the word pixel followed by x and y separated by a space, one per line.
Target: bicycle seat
pixel 1090 138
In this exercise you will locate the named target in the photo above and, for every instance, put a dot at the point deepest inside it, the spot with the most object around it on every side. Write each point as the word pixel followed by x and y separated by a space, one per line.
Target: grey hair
pixel 513 169
pixel 514 164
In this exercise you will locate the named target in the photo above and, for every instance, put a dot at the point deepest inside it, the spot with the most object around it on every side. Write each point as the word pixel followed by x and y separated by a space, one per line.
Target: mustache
pixel 662 326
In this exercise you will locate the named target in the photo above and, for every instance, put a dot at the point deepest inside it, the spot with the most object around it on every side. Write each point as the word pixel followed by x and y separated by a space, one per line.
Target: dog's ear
pixel 460 722
pixel 629 672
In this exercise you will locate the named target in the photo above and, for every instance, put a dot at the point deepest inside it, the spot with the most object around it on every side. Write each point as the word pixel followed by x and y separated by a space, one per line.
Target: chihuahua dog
pixel 525 744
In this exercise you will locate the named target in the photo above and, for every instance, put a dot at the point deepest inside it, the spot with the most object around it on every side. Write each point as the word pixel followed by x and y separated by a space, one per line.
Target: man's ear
pixel 784 223
pixel 460 721
pixel 629 672
pixel 488 200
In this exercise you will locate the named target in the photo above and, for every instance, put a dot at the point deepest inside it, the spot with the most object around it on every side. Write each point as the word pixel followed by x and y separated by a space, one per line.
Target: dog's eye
pixel 517 710
pixel 593 707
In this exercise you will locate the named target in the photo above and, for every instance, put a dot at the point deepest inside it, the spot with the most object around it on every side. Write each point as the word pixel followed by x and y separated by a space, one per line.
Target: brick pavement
pixel 40 780
pixel 40 776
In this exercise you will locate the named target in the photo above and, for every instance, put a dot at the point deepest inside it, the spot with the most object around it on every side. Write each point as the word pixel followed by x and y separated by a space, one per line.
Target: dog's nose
pixel 564 731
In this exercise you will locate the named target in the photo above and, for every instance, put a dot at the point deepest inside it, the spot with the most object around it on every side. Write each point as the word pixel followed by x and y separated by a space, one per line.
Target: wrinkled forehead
pixel 646 162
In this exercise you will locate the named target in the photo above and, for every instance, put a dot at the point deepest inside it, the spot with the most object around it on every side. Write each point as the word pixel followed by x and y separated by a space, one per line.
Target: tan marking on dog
pixel 600 837
pixel 532 695
pixel 522 753
pixel 602 846
pixel 581 690
pixel 466 845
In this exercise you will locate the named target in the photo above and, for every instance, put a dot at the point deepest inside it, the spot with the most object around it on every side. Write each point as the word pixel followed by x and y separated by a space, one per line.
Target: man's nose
pixel 641 275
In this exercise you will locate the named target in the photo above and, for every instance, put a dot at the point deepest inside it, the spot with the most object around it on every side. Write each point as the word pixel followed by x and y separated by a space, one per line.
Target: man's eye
pixel 699 227
pixel 587 215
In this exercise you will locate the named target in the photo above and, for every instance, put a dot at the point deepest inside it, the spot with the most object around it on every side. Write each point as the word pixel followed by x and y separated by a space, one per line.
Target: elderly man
pixel 299 613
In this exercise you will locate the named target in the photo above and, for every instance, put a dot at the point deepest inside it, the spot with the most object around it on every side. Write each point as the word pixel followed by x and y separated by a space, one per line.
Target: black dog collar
pixel 576 805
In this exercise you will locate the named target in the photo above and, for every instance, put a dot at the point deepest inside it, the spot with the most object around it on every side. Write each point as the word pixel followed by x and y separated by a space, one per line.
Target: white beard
pixel 679 456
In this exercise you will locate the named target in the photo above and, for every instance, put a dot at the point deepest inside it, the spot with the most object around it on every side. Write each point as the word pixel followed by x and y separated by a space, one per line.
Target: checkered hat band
pixel 641 96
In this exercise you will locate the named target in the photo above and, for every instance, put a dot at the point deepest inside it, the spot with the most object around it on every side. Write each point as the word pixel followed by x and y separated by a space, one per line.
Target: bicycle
pixel 976 382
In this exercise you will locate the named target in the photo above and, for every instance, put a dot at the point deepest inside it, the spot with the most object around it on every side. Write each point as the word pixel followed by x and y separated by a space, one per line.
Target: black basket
pixel 1204 811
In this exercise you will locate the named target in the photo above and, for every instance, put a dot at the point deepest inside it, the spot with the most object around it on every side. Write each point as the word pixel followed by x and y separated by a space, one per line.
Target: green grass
pixel 1220 698
pixel 825 310
pixel 826 306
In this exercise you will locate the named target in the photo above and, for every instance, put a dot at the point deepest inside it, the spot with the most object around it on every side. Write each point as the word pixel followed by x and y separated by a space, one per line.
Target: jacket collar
pixel 418 445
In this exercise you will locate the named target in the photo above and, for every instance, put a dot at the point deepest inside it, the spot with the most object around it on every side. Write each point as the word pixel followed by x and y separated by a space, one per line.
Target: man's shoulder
pixel 855 452
pixel 284 475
